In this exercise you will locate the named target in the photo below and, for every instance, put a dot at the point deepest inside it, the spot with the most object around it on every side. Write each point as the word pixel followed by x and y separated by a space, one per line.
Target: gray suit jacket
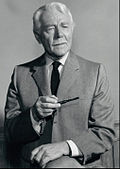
pixel 87 121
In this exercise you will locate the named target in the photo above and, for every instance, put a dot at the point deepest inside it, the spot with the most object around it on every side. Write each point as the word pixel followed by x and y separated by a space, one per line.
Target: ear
pixel 37 36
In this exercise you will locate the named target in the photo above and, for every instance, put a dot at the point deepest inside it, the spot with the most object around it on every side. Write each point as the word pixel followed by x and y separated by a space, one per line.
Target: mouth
pixel 59 44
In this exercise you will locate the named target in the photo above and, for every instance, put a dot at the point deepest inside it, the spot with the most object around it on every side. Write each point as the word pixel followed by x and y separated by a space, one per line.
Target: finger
pixel 39 155
pixel 45 110
pixel 43 166
pixel 50 105
pixel 49 99
pixel 44 161
pixel 53 96
pixel 34 152
pixel 46 114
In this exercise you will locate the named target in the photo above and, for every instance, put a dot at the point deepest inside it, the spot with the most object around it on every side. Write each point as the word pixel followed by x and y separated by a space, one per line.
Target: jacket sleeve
pixel 18 125
pixel 100 134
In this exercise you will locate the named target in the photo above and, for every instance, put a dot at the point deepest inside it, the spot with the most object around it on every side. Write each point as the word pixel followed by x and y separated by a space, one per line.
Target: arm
pixel 18 126
pixel 100 134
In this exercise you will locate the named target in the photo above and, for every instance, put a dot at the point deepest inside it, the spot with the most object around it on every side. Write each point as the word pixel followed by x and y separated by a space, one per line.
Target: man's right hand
pixel 45 105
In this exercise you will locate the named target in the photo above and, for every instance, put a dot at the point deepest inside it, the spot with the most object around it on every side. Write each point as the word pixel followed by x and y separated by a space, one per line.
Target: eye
pixel 65 25
pixel 50 28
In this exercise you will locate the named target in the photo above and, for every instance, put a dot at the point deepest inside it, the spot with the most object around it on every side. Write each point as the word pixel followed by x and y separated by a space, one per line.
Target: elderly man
pixel 58 109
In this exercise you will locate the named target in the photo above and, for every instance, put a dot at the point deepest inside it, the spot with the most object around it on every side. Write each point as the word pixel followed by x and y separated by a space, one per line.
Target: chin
pixel 58 56
pixel 60 53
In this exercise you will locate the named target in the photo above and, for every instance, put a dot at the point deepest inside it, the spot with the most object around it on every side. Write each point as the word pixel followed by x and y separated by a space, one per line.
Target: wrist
pixel 67 150
pixel 35 114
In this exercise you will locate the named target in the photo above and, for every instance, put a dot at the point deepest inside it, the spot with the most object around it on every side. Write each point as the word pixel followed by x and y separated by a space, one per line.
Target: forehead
pixel 51 16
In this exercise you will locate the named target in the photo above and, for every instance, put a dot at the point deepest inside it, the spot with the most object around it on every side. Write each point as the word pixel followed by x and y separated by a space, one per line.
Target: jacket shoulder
pixel 86 62
pixel 91 68
pixel 28 66
pixel 34 62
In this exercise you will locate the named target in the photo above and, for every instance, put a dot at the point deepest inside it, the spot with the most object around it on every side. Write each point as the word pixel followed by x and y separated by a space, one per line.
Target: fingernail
pixel 59 105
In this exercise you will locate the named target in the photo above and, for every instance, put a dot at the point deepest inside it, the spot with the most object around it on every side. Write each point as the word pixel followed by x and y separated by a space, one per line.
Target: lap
pixel 64 162
pixel 68 162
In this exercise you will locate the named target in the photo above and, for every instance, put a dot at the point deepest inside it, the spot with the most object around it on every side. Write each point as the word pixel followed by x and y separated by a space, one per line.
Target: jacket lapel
pixel 69 75
pixel 40 75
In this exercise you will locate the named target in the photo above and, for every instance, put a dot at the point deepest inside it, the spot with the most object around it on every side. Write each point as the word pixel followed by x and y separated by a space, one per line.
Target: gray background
pixel 95 38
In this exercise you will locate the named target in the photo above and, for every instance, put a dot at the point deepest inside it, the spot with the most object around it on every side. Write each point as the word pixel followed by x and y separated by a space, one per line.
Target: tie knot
pixel 56 64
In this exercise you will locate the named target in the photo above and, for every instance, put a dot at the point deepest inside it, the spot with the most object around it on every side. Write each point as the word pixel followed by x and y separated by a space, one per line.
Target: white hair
pixel 38 13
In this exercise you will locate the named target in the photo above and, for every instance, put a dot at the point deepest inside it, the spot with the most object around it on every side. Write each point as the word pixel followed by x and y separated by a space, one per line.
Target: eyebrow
pixel 67 23
pixel 63 23
pixel 48 25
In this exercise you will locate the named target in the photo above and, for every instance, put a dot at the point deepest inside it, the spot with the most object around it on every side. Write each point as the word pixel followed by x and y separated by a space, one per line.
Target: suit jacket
pixel 87 121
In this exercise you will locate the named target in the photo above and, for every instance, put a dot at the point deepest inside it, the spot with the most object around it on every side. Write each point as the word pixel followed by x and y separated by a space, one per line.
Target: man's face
pixel 56 33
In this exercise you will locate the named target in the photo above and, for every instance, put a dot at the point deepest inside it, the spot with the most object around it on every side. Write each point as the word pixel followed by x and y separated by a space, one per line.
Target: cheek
pixel 68 36
pixel 47 41
pixel 69 40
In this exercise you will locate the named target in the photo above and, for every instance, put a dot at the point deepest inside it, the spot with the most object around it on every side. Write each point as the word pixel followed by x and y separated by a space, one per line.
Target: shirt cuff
pixel 75 152
pixel 36 126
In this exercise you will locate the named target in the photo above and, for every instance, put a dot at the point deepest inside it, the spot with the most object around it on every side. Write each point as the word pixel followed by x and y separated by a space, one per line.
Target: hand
pixel 49 152
pixel 45 106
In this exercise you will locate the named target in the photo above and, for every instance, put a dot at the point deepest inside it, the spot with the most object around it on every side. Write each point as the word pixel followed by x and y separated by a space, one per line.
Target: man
pixel 50 131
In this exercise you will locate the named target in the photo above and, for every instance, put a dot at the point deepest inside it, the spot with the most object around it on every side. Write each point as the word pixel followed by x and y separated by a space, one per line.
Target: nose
pixel 58 32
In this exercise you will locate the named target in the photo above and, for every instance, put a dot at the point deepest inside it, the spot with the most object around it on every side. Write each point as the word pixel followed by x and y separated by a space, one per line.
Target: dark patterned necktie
pixel 55 78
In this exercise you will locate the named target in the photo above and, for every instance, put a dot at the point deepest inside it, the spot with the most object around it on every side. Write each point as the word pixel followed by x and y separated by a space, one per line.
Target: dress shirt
pixel 36 125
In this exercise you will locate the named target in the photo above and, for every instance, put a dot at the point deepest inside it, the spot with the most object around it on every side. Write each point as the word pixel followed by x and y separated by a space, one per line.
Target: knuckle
pixel 41 98
pixel 42 162
pixel 37 160
pixel 41 114
pixel 41 105
pixel 39 110
pixel 44 149
pixel 45 111
pixel 48 111
pixel 37 103
pixel 46 99
pixel 47 105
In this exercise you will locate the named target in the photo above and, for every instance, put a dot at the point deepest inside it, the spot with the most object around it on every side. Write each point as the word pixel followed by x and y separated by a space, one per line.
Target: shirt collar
pixel 49 61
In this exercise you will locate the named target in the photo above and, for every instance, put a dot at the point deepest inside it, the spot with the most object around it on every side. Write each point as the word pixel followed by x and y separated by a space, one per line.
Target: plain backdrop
pixel 95 38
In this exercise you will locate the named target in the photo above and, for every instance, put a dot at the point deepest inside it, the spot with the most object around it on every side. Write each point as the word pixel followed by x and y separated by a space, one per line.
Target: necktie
pixel 55 78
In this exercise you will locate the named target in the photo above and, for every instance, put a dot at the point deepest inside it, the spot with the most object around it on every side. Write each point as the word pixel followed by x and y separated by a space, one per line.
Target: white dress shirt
pixel 36 125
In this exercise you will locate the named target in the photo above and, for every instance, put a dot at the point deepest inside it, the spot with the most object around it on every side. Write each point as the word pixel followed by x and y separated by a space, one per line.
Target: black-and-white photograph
pixel 59 88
